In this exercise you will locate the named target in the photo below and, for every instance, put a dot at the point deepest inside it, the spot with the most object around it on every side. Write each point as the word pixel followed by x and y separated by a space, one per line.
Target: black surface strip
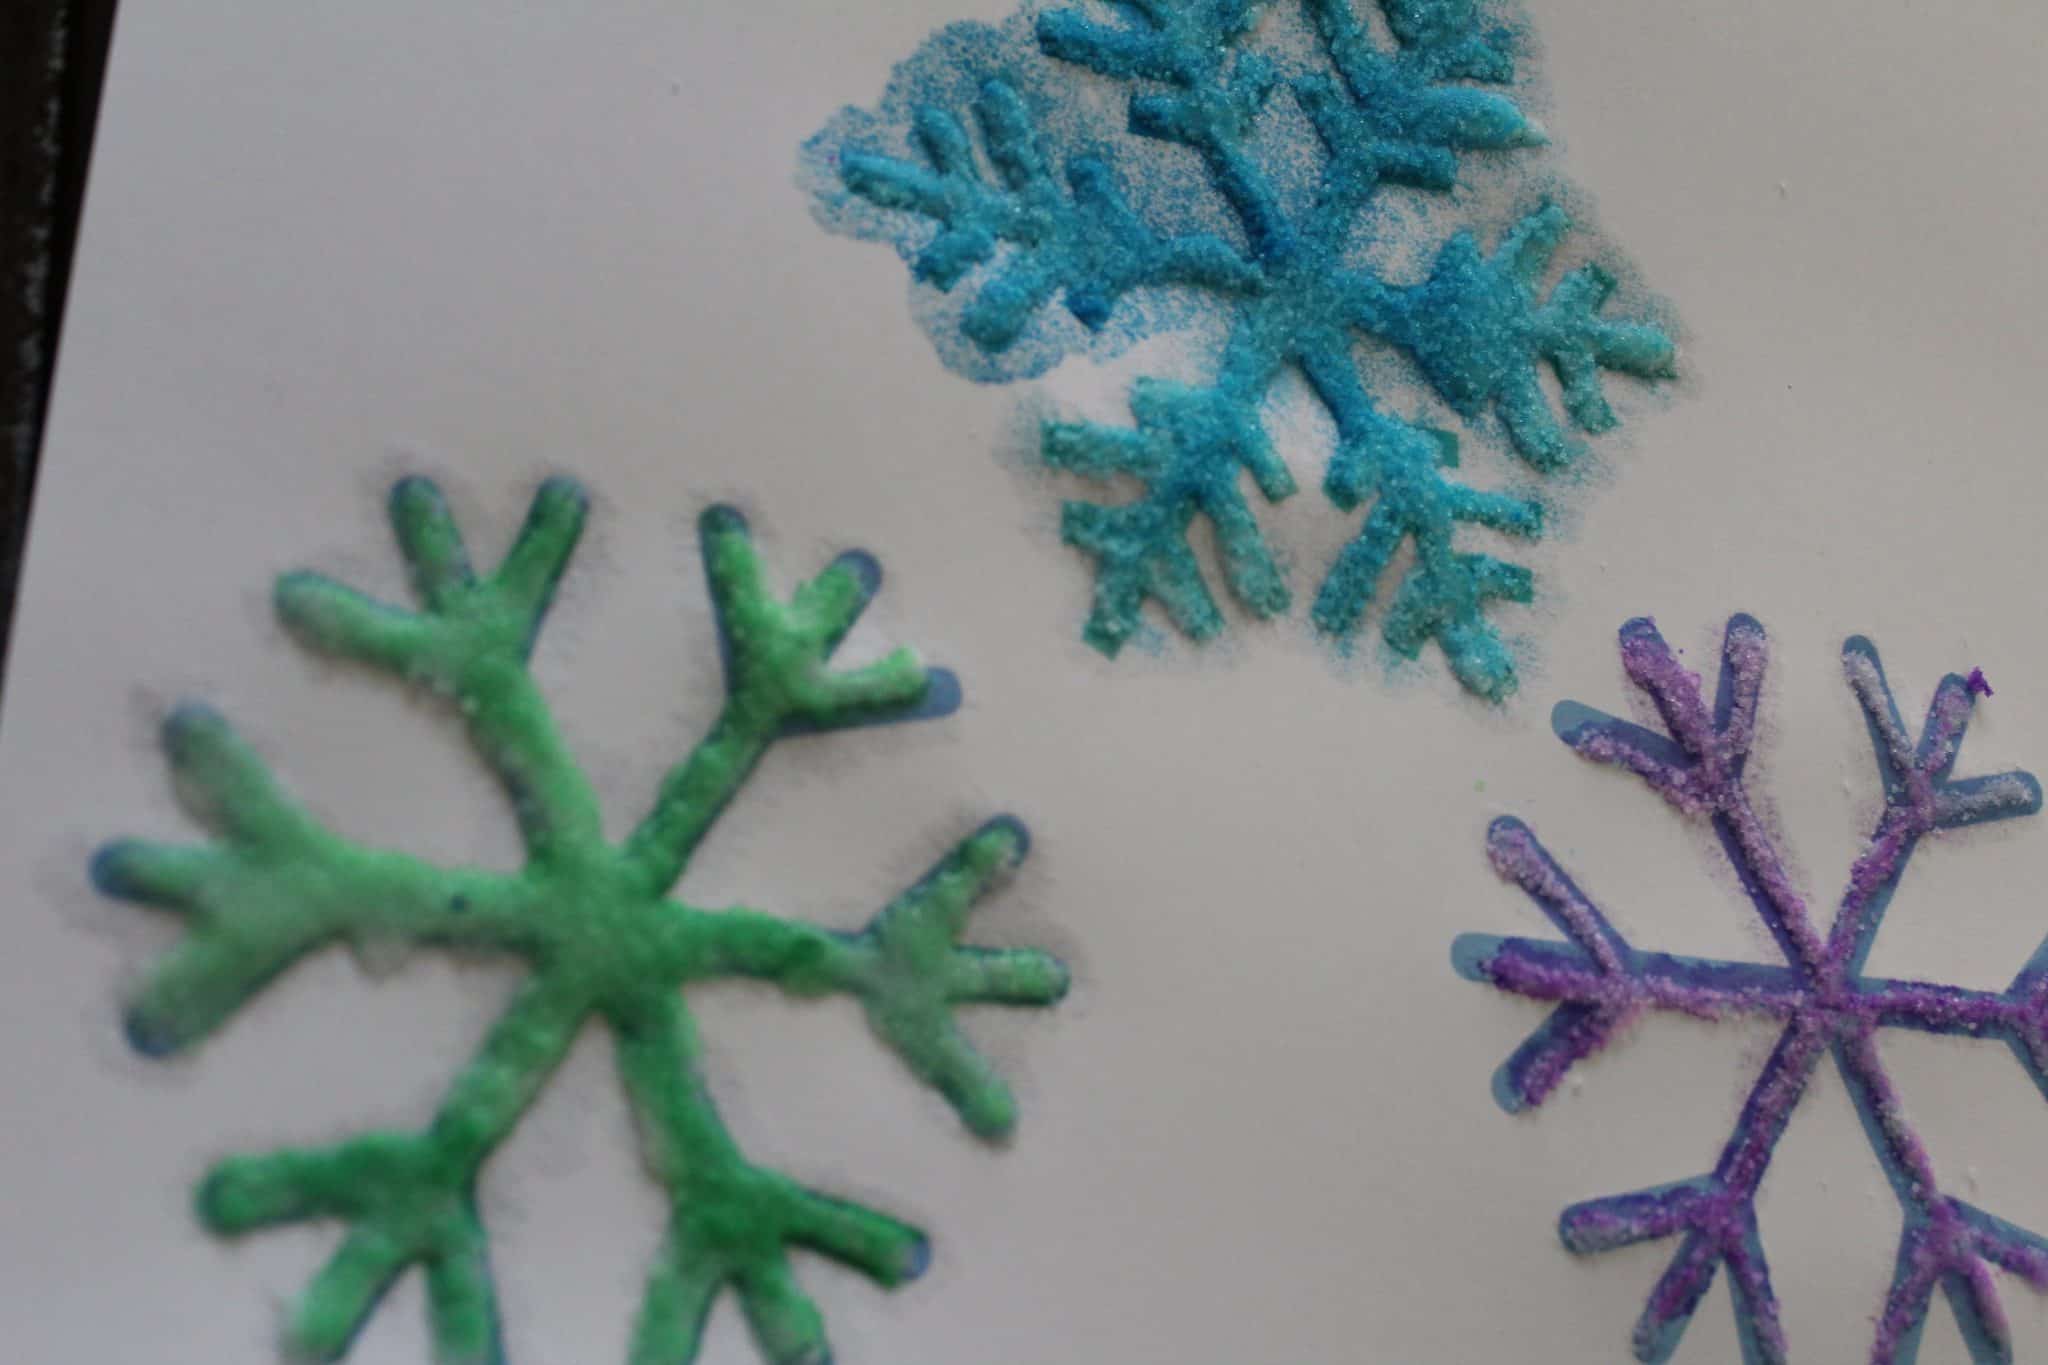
pixel 53 56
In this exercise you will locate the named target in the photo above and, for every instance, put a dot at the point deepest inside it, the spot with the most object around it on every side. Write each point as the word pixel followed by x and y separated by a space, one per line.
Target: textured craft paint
pixel 1827 1006
pixel 1242 198
pixel 593 923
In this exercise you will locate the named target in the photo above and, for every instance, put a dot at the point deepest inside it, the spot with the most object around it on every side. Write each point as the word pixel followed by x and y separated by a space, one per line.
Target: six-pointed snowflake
pixel 1826 1005
pixel 593 923
pixel 1051 209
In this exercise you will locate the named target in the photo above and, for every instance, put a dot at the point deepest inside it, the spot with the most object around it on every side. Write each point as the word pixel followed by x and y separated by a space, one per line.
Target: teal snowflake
pixel 1273 255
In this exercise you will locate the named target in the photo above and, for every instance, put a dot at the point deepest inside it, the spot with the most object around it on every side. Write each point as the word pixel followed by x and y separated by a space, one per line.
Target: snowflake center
pixel 616 938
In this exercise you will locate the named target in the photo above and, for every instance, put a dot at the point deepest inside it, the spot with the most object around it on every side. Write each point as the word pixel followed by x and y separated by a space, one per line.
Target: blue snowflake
pixel 1820 997
pixel 1275 244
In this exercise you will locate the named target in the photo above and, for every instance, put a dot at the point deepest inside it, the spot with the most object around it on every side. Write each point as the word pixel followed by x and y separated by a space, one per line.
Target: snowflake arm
pixel 906 968
pixel 1086 244
pixel 1600 982
pixel 1444 595
pixel 912 975
pixel 1180 43
pixel 732 1222
pixel 1946 1242
pixel 1210 101
pixel 275 887
pixel 1699 769
pixel 1478 333
pixel 1392 120
pixel 1596 983
pixel 1188 449
pixel 776 683
pixel 1296 294
pixel 469 644
pixel 591 922
pixel 1921 796
pixel 407 1198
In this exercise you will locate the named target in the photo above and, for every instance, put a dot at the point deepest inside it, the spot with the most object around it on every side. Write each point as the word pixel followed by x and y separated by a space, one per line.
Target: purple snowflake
pixel 1820 997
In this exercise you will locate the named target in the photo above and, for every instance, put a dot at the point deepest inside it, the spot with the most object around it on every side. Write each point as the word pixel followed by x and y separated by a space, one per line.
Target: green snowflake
pixel 594 924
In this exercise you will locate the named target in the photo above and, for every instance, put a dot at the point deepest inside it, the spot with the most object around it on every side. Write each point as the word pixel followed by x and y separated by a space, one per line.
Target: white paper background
pixel 328 244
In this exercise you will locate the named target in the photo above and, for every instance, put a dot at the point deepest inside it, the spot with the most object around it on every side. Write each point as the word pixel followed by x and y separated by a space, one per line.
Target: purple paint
pixel 1598 984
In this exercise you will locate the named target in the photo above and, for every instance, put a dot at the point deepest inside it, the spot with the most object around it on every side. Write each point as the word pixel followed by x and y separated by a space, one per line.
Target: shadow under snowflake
pixel 1825 1003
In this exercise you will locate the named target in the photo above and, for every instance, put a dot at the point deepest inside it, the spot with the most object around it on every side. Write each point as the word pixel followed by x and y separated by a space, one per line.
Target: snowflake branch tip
pixel 1952 1245
pixel 775 652
pixel 469 644
pixel 222 781
pixel 1110 50
pixel 1982 800
pixel 1622 1220
pixel 540 553
pixel 1170 42
pixel 1477 332
pixel 1189 446
pixel 1140 553
pixel 466 624
pixel 1916 774
pixel 407 1199
pixel 1445 595
pixel 740 1239
pixel 239 933
pixel 777 684
pixel 733 1224
pixel 401 1213
pixel 914 973
pixel 1699 766
pixel 1717 1227
pixel 1518 856
pixel 1084 242
pixel 1591 980
pixel 165 876
pixel 1208 102
pixel 1393 121
pixel 273 887
pixel 1446 602
pixel 438 561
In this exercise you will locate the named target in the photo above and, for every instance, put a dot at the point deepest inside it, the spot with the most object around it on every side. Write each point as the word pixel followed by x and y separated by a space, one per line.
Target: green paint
pixel 594 924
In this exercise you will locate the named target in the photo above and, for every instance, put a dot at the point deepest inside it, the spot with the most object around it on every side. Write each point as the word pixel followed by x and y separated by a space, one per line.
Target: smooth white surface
pixel 329 244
